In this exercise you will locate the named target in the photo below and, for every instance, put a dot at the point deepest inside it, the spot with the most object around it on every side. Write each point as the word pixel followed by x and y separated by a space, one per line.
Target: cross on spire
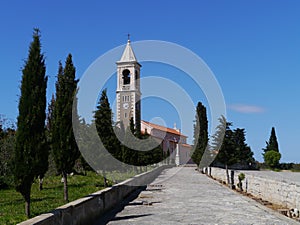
pixel 128 54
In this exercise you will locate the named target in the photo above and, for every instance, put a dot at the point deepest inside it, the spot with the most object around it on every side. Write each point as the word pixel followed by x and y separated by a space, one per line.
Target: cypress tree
pixel 272 144
pixel 200 133
pixel 64 147
pixel 31 151
pixel 271 151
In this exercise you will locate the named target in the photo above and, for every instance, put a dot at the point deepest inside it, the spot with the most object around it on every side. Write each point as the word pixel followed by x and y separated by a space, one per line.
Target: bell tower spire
pixel 128 88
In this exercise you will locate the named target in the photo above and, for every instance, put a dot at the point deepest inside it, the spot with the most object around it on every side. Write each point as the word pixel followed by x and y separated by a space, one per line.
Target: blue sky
pixel 252 47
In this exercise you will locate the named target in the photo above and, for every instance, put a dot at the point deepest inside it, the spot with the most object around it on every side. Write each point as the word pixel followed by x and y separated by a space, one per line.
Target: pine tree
pixel 104 125
pixel 64 146
pixel 227 154
pixel 272 144
pixel 244 153
pixel 200 133
pixel 31 151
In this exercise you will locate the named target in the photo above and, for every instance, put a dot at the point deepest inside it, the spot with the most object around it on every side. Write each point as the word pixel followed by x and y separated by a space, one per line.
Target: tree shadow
pixel 41 199
pixel 111 215
pixel 129 217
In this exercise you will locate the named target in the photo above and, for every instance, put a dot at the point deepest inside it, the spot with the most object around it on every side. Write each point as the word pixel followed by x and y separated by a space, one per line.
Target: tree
pixel 272 144
pixel 31 148
pixel 272 158
pixel 244 153
pixel 227 154
pixel 200 133
pixel 64 147
pixel 130 156
pixel 49 126
pixel 217 139
pixel 7 144
pixel 104 125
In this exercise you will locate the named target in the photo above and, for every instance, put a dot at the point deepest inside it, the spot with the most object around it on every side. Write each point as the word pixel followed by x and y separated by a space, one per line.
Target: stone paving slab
pixel 183 196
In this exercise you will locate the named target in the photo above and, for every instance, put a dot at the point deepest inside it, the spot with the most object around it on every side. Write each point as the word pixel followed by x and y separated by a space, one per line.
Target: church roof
pixel 128 54
pixel 162 128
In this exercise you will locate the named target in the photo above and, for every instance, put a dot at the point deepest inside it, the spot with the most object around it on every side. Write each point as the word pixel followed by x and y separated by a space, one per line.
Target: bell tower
pixel 128 88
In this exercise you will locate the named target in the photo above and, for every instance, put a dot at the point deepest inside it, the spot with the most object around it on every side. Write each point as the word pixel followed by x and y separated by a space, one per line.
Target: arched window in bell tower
pixel 126 76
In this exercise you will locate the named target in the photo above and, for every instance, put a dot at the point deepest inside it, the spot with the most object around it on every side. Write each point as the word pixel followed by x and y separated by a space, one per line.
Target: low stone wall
pixel 86 210
pixel 274 187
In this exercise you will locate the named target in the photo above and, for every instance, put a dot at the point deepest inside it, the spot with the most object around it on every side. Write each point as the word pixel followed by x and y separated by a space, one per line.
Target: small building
pixel 170 139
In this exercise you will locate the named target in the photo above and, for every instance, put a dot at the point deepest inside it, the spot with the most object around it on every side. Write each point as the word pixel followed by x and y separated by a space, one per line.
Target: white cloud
pixel 243 108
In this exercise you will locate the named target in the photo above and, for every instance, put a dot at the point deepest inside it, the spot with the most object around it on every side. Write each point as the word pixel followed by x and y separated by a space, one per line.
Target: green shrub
pixel 272 159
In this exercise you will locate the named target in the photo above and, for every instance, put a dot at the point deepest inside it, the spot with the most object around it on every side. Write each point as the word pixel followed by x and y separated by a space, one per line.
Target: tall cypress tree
pixel 64 145
pixel 200 133
pixel 272 144
pixel 31 151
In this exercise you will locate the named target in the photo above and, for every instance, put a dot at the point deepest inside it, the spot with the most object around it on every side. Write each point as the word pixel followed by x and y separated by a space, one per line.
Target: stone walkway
pixel 183 196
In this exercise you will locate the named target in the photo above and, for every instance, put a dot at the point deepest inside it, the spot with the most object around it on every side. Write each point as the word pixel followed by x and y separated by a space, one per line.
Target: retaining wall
pixel 86 210
pixel 275 187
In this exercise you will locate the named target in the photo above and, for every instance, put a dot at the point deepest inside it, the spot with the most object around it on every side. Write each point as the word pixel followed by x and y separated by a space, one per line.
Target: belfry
pixel 128 88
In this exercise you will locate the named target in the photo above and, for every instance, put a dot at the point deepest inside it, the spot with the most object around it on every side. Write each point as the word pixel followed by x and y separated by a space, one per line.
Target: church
pixel 128 99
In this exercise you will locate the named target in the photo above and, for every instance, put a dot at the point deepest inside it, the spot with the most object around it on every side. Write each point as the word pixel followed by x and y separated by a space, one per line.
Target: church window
pixel 125 115
pixel 126 98
pixel 126 76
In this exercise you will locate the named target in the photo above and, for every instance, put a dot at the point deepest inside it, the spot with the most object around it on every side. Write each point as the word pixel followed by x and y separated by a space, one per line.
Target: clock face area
pixel 125 105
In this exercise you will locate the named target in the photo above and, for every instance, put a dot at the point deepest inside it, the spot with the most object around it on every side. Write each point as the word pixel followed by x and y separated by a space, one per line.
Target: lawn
pixel 51 197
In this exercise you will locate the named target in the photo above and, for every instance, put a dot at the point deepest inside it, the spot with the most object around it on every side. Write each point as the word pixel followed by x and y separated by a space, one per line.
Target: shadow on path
pixel 111 215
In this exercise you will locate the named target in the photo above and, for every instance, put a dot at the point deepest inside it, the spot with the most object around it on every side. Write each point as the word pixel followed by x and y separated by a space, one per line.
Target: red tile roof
pixel 162 128
pixel 186 145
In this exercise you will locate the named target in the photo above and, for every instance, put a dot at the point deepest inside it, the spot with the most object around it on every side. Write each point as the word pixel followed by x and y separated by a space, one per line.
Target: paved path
pixel 188 197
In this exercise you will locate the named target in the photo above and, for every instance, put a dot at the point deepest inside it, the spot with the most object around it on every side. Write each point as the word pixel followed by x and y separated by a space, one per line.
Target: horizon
pixel 252 48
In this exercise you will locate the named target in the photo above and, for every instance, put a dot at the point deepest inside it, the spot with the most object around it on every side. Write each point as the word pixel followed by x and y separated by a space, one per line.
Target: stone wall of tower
pixel 128 88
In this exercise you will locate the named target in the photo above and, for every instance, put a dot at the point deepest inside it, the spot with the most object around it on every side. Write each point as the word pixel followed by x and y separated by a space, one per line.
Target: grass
pixel 51 197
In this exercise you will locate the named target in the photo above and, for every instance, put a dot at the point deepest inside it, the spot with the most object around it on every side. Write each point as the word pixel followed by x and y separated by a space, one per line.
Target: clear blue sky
pixel 253 48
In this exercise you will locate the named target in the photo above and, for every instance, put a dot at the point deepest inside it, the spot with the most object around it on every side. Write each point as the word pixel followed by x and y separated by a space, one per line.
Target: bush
pixel 296 168
pixel 241 176
pixel 272 159
pixel 286 166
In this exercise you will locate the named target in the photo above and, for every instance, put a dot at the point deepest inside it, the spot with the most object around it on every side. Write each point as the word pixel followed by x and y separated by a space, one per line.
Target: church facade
pixel 128 98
